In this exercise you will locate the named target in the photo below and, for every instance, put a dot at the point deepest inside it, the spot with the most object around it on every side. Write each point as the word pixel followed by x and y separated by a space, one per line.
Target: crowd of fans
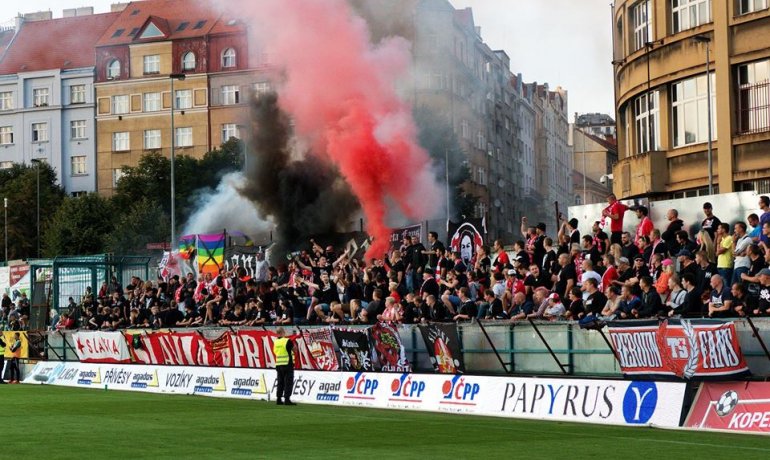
pixel 615 275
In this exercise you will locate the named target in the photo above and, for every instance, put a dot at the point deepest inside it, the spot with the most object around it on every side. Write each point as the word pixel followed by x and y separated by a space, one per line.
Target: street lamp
pixel 172 77
pixel 707 40
pixel 37 163
pixel 5 221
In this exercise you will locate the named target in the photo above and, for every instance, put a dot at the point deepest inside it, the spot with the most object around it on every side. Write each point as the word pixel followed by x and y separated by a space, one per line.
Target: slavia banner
pixel 687 349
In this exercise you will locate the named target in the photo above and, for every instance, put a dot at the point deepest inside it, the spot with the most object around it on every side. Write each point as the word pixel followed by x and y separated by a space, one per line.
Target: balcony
pixel 640 175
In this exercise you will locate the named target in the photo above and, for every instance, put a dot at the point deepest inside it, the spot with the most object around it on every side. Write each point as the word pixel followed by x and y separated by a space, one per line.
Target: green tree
pixel 80 226
pixel 19 185
pixel 437 137
pixel 145 222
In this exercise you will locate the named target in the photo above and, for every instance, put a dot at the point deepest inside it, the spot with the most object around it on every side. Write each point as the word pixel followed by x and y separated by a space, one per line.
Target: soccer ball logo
pixel 727 403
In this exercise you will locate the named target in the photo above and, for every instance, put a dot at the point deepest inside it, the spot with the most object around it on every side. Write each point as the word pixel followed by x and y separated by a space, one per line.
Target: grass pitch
pixel 56 422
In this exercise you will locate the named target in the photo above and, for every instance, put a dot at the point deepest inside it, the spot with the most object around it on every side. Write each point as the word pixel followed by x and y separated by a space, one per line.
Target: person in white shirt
pixel 742 242
pixel 555 309
pixel 588 272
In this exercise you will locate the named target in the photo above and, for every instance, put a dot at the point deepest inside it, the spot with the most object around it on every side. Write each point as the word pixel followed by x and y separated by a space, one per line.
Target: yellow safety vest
pixel 280 351
pixel 2 349
pixel 17 353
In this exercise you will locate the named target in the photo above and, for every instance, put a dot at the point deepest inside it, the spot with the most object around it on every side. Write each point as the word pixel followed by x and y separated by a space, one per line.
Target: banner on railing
pixel 397 235
pixel 688 349
pixel 443 347
pixel 388 349
pixel 354 350
pixel 320 345
pixel 101 347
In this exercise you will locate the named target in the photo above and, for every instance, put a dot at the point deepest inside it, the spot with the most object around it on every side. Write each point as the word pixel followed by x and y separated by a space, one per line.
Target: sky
pixel 565 43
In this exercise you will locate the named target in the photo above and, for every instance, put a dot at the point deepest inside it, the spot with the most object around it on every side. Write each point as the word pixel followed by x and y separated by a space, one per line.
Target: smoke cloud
pixel 340 92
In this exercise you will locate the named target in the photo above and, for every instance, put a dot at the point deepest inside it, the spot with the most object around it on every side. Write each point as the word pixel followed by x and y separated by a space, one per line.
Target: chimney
pixel 82 11
pixel 118 7
pixel 38 16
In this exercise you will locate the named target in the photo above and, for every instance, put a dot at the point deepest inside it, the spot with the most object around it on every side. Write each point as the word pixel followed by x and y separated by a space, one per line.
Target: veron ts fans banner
pixel 734 406
pixel 687 349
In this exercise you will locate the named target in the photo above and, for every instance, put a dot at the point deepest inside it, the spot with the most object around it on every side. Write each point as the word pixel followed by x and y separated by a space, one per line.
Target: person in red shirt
pixel 502 257
pixel 615 211
pixel 610 274
pixel 645 223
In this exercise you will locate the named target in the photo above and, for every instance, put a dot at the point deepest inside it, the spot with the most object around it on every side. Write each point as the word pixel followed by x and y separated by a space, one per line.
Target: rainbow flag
pixel 187 247
pixel 211 253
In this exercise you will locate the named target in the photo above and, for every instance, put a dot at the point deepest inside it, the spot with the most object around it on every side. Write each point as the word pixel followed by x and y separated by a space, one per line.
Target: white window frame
pixel 189 61
pixel 230 130
pixel 688 14
pixel 78 164
pixel 152 139
pixel 183 99
pixel 751 6
pixel 229 57
pixel 40 132
pixel 697 105
pixel 646 113
pixel 6 164
pixel 231 94
pixel 40 97
pixel 78 129
pixel 151 64
pixel 113 69
pixel 753 80
pixel 262 87
pixel 121 141
pixel 152 102
pixel 643 30
pixel 6 100
pixel 117 174
pixel 6 135
pixel 78 94
pixel 184 137
pixel 121 104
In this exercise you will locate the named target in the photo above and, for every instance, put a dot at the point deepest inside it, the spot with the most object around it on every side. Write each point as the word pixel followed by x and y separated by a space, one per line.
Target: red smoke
pixel 340 92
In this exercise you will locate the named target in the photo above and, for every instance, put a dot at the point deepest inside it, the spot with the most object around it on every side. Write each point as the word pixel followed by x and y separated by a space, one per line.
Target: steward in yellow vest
pixel 283 349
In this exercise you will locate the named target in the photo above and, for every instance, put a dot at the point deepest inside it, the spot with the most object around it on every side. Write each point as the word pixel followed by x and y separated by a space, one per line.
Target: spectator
pixel 764 205
pixel 720 302
pixel 434 244
pixel 610 274
pixel 742 262
pixel 630 304
pixel 743 304
pixel 756 228
pixel 763 306
pixel 661 282
pixel 686 263
pixel 615 212
pixel 567 277
pixel 707 245
pixel 692 305
pixel 393 312
pixel 706 269
pixel 590 251
pixel 468 308
pixel 495 309
pixel 676 296
pixel 629 250
pixel 502 260
pixel 575 311
pixel 657 245
pixel 595 301
pixel 645 225
pixel 685 243
pixel 711 222
pixel 675 225
pixel 751 278
pixel 540 299
pixel 610 310
pixel 589 273
pixel 724 249
pixel 600 240
pixel 555 309
pixel 651 303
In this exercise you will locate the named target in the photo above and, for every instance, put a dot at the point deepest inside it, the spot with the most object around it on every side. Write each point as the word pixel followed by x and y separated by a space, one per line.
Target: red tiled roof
pixel 178 18
pixel 62 43
pixel 5 39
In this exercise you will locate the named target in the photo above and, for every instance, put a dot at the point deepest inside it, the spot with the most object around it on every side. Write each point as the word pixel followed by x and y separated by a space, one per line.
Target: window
pixel 151 102
pixel 152 139
pixel 9 165
pixel 117 174
pixel 754 97
pixel 183 99
pixel 39 132
pixel 262 88
pixel 118 33
pixel 78 165
pixel 78 94
pixel 642 24
pixel 647 116
pixel 182 26
pixel 6 100
pixel 151 31
pixel 750 6
pixel 120 142
pixel 228 57
pixel 113 69
pixel 687 14
pixel 188 61
pixel 230 130
pixel 6 135
pixel 78 129
pixel 230 95
pixel 184 137
pixel 690 111
pixel 481 176
pixel 465 129
pixel 120 104
pixel 40 97
pixel 151 64
pixel 200 24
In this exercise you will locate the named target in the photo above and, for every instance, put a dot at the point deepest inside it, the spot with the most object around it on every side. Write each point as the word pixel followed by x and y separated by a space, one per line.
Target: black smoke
pixel 303 197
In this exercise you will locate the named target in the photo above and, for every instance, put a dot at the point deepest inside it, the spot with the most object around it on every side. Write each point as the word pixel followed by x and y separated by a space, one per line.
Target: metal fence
pixel 523 348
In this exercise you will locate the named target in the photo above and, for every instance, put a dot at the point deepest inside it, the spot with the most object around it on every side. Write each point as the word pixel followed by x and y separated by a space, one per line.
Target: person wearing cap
pixel 283 349
pixel 625 272
pixel 686 263
pixel 711 222
pixel 742 261
pixel 555 309
pixel 763 306
pixel 645 223
pixel 615 212
pixel 661 282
